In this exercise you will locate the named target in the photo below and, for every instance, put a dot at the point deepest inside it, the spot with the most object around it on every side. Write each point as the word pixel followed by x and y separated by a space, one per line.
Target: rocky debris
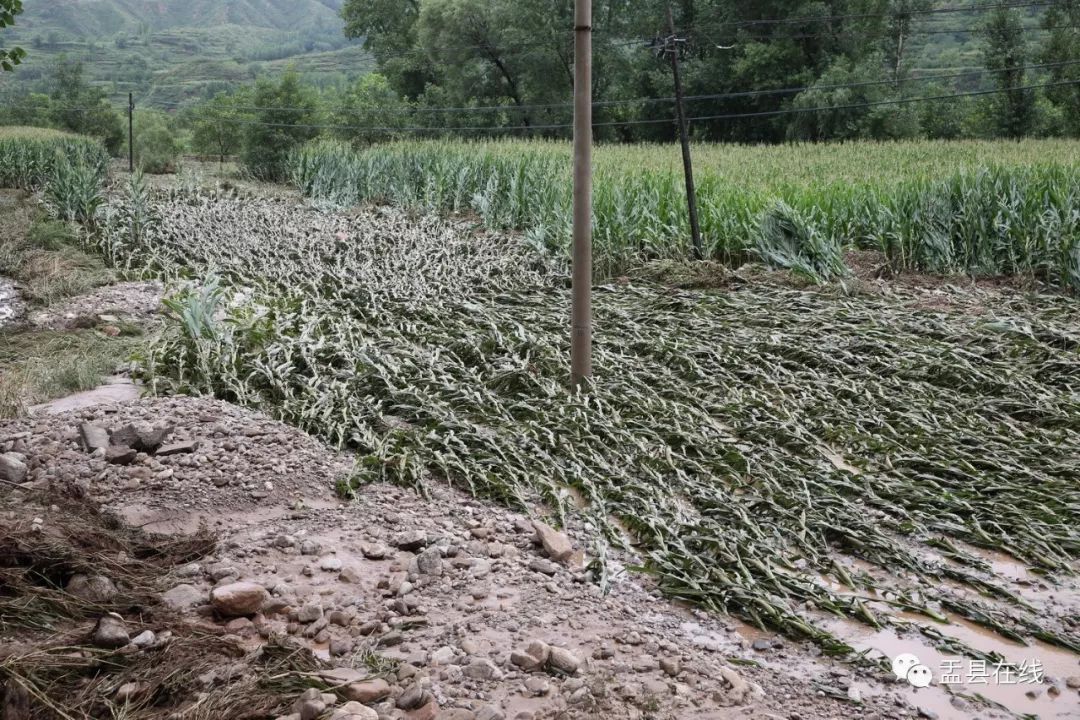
pixel 239 598
pixel 107 305
pixel 110 632
pixel 1073 682
pixel 444 597
pixel 92 588
pixel 12 467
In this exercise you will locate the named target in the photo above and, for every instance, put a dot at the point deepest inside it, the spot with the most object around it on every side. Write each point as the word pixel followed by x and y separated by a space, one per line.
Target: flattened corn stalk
pixel 705 438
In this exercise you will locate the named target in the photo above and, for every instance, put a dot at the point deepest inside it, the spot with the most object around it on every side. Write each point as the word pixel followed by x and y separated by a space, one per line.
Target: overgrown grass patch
pixel 40 365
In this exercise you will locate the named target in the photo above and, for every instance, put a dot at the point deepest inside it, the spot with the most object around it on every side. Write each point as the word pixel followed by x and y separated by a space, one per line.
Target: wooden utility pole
pixel 131 132
pixel 581 311
pixel 672 49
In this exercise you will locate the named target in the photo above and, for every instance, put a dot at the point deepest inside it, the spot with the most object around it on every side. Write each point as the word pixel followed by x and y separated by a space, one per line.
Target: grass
pixel 40 365
pixel 976 208
pixel 712 432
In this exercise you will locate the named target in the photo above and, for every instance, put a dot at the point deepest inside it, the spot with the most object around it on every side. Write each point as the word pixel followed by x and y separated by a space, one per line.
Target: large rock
pixel 110 632
pixel 12 468
pixel 367 691
pixel 142 437
pixel 239 598
pixel 563 660
pixel 557 545
pixel 92 588
pixel 93 437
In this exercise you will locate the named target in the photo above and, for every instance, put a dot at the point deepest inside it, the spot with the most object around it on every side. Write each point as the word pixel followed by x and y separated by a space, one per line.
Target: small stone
pixel 92 588
pixel 762 644
pixel 144 639
pixel 1073 682
pixel 309 705
pixel 854 694
pixel 373 551
pixel 351 574
pixel 414 697
pixel 429 562
pixel 284 541
pixel 179 448
pixel 354 711
pixel 310 613
pixel 443 656
pixel 310 547
pixel 427 711
pixel 340 646
pixel 411 540
pixel 927 713
pixel 182 597
pixel 110 631
pixel 557 545
pixel 670 666
pixel 330 564
pixel 368 691
pixel 543 565
pixel 490 712
pixel 115 455
pixel 240 598
pixel 482 669
pixel 93 437
pixel 537 685
pixel 12 468
pixel 563 660
pixel 127 692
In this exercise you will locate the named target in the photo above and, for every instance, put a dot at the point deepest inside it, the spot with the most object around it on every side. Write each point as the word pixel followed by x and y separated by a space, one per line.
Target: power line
pixel 661 100
pixel 620 123
pixel 870 16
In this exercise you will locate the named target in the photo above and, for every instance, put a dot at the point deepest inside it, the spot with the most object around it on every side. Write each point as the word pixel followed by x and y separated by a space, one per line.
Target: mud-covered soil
pixel 430 602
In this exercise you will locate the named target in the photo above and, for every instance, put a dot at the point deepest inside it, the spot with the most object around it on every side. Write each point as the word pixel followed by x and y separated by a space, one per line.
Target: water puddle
pixel 1018 690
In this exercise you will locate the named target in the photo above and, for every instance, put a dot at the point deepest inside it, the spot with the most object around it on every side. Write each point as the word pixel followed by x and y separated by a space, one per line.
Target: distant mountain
pixel 170 51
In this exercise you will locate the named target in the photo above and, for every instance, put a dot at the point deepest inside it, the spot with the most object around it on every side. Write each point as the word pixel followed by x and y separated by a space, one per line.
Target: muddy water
pixel 11 307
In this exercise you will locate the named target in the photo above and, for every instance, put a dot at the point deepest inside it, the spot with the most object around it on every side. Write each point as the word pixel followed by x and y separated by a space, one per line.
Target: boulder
pixel 239 598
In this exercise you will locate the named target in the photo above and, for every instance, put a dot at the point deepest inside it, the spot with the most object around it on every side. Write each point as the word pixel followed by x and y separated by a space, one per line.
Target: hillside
pixel 174 50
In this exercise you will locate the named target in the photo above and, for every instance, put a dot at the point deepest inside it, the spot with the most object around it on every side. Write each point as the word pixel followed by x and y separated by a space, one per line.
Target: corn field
pixel 976 208
pixel 753 442
pixel 30 157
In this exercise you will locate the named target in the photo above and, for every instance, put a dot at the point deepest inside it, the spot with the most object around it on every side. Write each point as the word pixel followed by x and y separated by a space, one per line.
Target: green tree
pixel 219 124
pixel 1062 48
pixel 285 116
pixel 82 108
pixel 10 58
pixel 157 149
pixel 1004 54
pixel 371 109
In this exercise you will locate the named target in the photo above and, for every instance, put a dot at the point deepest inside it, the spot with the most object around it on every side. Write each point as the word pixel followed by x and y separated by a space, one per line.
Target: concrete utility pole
pixel 131 132
pixel 581 312
pixel 672 49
